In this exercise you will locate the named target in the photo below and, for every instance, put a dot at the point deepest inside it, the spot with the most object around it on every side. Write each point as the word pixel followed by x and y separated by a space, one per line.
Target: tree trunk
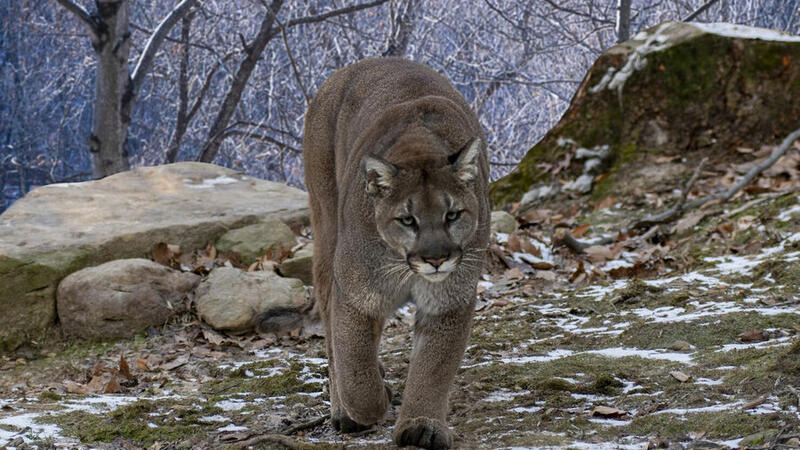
pixel 623 20
pixel 182 121
pixel 109 127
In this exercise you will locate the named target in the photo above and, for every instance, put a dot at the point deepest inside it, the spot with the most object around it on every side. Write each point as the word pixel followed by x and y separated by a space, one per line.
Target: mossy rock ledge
pixel 677 89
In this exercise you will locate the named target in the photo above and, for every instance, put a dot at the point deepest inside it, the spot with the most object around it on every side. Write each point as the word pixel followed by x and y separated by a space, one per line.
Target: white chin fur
pixel 436 276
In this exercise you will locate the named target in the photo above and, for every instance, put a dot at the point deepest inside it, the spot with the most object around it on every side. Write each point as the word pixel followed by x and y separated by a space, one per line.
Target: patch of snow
pixel 503 395
pixel 787 215
pixel 779 342
pixel 617 264
pixel 550 356
pixel 671 314
pixel 746 32
pixel 526 409
pixel 211 182
pixel 710 408
pixel 502 238
pixel 214 418
pixel 27 426
pixel 232 427
pixel 232 404
pixel 615 79
pixel 610 422
pixel 708 381
pixel 622 352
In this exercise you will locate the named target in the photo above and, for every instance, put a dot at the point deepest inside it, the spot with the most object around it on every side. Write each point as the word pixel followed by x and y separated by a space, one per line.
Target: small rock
pixel 252 241
pixel 680 346
pixel 229 298
pixel 503 222
pixel 299 265
pixel 121 298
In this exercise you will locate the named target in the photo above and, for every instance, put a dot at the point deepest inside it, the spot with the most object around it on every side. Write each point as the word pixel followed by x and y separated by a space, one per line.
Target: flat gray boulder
pixel 229 298
pixel 61 228
pixel 121 298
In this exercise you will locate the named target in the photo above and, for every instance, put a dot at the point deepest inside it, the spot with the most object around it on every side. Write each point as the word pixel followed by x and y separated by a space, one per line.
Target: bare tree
pixel 115 86
pixel 623 20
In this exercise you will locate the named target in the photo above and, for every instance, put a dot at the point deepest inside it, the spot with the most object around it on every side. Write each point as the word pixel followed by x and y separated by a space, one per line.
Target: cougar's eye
pixel 452 215
pixel 407 221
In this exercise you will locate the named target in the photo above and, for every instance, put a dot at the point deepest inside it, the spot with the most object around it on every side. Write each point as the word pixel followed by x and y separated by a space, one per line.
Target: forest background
pixel 228 81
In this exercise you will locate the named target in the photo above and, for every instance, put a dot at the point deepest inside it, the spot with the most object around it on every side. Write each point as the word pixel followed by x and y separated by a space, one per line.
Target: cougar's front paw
pixel 341 422
pixel 422 432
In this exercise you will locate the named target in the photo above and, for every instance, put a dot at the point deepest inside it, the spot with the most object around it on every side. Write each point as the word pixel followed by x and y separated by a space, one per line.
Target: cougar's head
pixel 426 214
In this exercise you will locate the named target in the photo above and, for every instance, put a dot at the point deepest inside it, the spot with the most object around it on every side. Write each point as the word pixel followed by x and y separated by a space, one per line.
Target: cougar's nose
pixel 435 261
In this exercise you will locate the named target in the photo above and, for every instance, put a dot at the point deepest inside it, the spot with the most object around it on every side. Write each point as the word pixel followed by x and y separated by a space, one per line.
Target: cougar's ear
pixel 379 174
pixel 465 162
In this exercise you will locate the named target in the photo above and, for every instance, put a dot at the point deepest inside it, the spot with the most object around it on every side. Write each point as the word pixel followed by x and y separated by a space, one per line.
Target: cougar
pixel 397 175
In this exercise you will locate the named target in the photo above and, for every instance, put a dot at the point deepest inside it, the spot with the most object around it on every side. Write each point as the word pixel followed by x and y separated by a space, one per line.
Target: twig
pixel 291 60
pixel 279 439
pixel 677 209
pixel 306 425
pixel 282 438
pixel 699 11
pixel 562 236
pixel 682 207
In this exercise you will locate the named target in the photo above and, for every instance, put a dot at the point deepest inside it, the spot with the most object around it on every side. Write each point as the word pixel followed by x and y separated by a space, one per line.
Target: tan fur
pixel 397 178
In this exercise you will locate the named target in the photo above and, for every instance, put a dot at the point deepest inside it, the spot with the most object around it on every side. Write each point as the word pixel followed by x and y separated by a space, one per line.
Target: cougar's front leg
pixel 359 384
pixel 439 343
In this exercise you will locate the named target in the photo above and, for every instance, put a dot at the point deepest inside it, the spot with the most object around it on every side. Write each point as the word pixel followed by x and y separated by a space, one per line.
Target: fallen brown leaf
pixel 580 230
pixel 124 368
pixel 75 388
pixel 599 253
pixel 112 387
pixel 754 403
pixel 141 364
pixel 752 336
pixel 175 363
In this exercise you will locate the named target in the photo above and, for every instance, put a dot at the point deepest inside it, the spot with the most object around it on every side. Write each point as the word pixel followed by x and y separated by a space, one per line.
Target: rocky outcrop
pixel 121 298
pixel 229 298
pixel 677 89
pixel 58 229
pixel 252 241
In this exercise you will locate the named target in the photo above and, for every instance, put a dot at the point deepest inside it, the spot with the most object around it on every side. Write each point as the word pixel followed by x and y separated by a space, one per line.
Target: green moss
pixel 788 362
pixel 288 381
pixel 49 396
pixel 605 384
pixel 716 424
pixel 723 330
pixel 143 422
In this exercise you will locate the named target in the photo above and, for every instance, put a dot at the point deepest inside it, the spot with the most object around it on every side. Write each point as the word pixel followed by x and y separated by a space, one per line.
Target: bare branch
pixel 150 49
pixel 83 15
pixel 292 61
pixel 680 208
pixel 699 11
pixel 260 137
pixel 677 209
pixel 334 13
